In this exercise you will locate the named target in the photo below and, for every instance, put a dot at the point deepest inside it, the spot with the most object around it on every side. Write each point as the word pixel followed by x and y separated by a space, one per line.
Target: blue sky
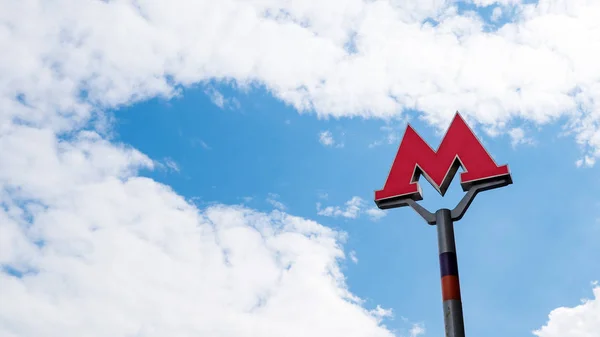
pixel 523 250
pixel 208 168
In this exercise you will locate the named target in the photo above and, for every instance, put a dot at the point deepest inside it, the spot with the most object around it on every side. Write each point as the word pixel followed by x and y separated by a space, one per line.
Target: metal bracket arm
pixel 459 211
pixel 424 213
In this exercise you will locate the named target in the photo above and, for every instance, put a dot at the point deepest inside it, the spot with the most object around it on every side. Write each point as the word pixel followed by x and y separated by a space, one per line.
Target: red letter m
pixel 459 148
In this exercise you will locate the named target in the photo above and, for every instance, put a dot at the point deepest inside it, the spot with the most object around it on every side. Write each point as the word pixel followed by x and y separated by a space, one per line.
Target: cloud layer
pixel 338 58
pixel 90 248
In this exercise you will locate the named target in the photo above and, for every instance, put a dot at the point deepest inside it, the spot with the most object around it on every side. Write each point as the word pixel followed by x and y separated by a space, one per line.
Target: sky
pixel 207 168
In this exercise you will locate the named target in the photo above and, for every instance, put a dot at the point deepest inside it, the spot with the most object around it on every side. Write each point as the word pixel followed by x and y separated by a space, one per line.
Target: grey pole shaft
pixel 453 314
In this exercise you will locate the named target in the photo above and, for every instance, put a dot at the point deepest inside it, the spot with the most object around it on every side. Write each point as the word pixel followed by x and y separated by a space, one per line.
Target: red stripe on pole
pixel 450 288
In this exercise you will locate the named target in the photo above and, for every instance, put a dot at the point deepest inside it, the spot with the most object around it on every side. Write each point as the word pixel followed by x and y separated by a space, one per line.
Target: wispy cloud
pixel 518 137
pixel 390 134
pixel 326 138
pixel 199 142
pixel 167 164
pixel 496 14
pixel 351 210
pixel 171 164
pixel 273 199
pixel 204 145
pixel 417 330
pixel 586 161
pixel 219 99
pixel 380 313
pixel 323 195
pixel 375 213
pixel 353 257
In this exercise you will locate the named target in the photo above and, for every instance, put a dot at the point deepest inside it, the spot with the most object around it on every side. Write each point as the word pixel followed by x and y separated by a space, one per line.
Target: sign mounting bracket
pixel 458 212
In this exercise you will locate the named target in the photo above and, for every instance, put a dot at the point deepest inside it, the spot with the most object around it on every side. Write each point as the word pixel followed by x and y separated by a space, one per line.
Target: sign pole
pixel 444 219
pixel 453 314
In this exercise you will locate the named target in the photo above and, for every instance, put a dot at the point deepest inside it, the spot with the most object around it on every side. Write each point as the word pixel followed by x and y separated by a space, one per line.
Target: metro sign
pixel 459 148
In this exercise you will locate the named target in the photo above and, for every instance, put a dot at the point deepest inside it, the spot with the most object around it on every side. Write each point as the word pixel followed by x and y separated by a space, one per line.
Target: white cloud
pixel 103 252
pixel 586 161
pixel 353 257
pixel 518 137
pixel 537 68
pixel 219 100
pixel 375 143
pixel 351 210
pixel 273 199
pixel 375 213
pixel 199 142
pixel 326 138
pixel 391 136
pixel 171 164
pixel 580 321
pixel 417 330
pixel 216 97
pixel 496 14
pixel 204 145
pixel 382 313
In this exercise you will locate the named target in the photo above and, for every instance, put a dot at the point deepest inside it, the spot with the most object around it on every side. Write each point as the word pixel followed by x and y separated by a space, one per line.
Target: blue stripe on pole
pixel 448 264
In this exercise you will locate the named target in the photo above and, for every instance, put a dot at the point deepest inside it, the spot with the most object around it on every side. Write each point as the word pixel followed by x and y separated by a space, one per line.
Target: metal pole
pixel 453 314
pixel 444 218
